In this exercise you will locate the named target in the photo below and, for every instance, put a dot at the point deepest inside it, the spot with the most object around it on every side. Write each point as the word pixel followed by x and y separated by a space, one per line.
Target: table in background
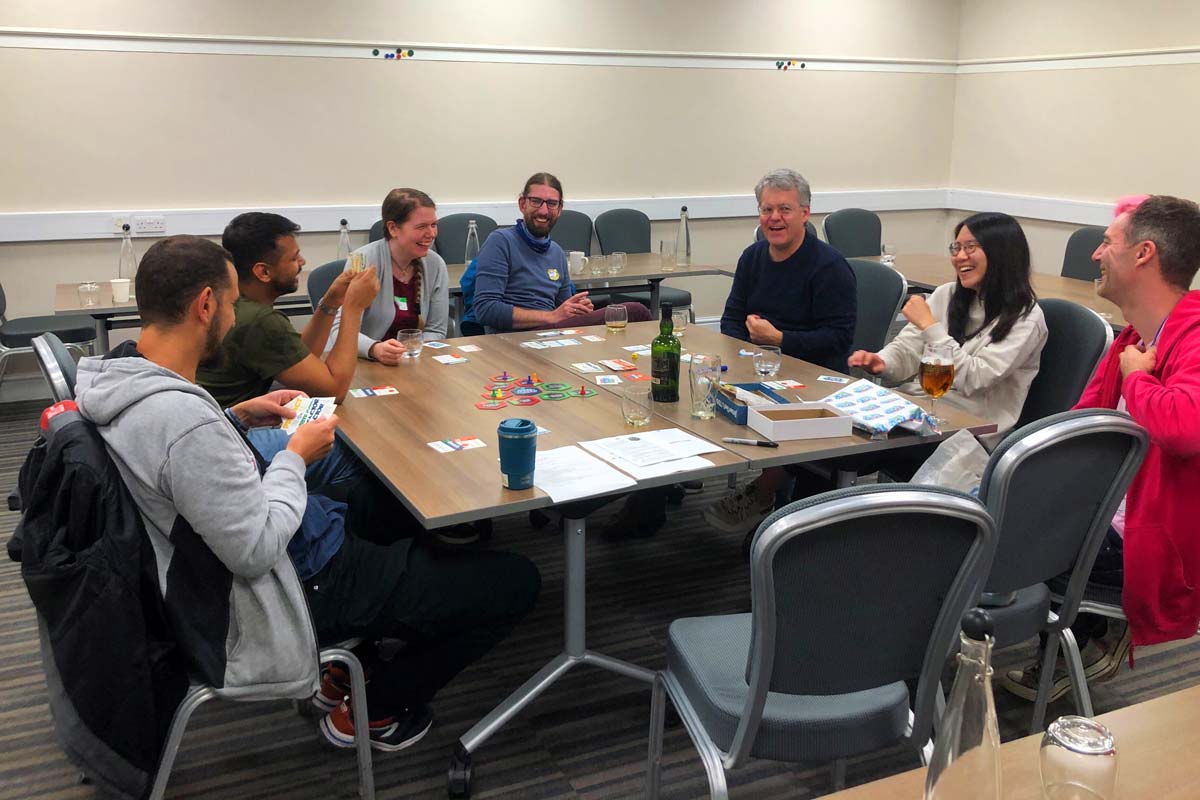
pixel 699 339
pixel 1156 745
pixel 109 315
pixel 927 272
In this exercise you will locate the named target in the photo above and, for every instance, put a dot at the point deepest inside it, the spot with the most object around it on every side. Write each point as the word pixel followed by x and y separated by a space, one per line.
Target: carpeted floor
pixel 586 737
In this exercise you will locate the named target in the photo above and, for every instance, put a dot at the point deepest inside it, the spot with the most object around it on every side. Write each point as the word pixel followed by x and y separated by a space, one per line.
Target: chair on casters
pixel 198 694
pixel 1077 259
pixel 74 331
pixel 1043 534
pixel 837 669
pixel 881 292
pixel 623 230
pixel 854 232
pixel 451 241
pixel 1078 338
pixel 573 231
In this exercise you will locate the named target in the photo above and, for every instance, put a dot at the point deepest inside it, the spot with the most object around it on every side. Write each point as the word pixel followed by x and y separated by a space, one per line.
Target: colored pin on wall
pixel 787 64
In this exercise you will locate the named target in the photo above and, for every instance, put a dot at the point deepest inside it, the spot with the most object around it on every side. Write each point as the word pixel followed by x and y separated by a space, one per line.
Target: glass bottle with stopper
pixel 343 247
pixel 471 249
pixel 128 260
pixel 683 240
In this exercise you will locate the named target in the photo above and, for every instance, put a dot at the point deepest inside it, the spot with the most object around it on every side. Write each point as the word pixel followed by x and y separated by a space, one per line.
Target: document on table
pixel 651 447
pixel 568 473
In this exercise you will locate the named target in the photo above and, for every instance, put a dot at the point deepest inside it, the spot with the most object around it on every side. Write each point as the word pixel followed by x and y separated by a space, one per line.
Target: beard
pixel 282 286
pixel 215 356
pixel 538 229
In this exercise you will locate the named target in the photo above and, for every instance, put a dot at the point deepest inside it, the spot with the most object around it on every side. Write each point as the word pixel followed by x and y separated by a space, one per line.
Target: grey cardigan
pixel 435 298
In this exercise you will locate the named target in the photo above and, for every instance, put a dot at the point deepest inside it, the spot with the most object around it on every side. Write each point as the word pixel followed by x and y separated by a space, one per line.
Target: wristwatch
pixel 324 308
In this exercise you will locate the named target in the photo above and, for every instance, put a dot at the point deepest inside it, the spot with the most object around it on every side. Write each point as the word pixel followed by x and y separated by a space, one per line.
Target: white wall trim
pixel 1169 56
pixel 43 226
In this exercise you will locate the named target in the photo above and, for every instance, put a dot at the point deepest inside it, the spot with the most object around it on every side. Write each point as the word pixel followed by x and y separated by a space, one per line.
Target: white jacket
pixel 991 379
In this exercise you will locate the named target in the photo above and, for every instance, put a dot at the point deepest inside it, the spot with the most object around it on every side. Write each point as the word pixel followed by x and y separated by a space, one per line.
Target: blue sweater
pixel 811 297
pixel 510 273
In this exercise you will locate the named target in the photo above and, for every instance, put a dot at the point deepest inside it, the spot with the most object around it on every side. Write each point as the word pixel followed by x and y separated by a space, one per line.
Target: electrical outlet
pixel 151 223
pixel 118 222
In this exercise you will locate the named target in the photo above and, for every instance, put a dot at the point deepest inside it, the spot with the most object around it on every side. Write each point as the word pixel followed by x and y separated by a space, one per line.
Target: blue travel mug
pixel 518 452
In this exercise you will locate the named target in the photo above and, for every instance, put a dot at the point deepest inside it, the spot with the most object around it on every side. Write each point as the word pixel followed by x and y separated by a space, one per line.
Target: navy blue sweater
pixel 811 297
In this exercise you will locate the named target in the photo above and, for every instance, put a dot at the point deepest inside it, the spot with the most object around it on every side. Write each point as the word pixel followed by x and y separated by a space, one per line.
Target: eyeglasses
pixel 784 211
pixel 537 202
pixel 969 248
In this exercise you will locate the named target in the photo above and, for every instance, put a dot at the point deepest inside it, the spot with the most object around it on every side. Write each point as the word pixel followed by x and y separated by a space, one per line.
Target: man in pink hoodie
pixel 1148 260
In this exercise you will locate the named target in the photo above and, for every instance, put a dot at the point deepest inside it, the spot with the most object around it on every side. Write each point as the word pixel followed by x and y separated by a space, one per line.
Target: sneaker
pixel 335 687
pixel 1101 661
pixel 1024 682
pixel 640 517
pixel 388 734
pixel 734 512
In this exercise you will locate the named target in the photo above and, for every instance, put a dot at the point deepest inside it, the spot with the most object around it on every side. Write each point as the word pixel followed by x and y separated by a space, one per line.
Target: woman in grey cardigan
pixel 417 277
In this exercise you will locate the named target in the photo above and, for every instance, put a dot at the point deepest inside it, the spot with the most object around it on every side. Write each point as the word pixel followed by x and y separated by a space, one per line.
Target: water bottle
pixel 966 754
pixel 343 250
pixel 472 248
pixel 128 261
pixel 683 240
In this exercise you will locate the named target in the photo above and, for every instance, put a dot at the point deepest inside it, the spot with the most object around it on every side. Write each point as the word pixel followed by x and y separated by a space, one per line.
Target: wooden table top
pixel 1155 749
pixel 929 271
pixel 641 268
pixel 437 401
pixel 699 339
pixel 66 299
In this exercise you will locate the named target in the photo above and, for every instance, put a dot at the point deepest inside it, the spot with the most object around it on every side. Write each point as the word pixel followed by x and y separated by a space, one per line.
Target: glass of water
pixel 704 377
pixel 767 361
pixel 887 255
pixel 89 293
pixel 1078 760
pixel 666 255
pixel 636 404
pixel 598 265
pixel 679 322
pixel 616 263
pixel 413 340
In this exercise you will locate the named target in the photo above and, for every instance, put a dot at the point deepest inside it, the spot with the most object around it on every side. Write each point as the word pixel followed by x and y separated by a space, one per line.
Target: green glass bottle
pixel 664 360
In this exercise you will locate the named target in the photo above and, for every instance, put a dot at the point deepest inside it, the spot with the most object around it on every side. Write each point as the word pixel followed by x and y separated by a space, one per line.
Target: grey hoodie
pixel 220 532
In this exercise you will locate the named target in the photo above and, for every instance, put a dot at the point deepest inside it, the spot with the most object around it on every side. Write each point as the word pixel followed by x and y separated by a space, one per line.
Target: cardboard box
pixel 735 410
pixel 781 423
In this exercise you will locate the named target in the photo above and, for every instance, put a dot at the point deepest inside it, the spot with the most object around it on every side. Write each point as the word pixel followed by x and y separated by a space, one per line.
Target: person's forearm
pixel 526 318
pixel 316 333
pixel 343 356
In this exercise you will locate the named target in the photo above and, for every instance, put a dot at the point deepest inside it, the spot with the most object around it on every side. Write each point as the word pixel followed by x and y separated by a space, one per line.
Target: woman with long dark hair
pixel 989 318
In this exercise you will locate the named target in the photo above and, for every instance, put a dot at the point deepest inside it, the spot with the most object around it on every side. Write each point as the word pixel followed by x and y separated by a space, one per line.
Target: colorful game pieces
pixel 582 391
pixel 523 401
pixel 526 390
pixel 554 395
pixel 503 377
pixel 491 405
pixel 529 380
pixel 496 393
pixel 555 387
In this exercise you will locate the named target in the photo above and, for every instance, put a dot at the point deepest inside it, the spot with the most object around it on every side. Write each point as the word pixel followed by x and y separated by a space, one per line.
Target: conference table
pixel 1155 750
pixel 435 402
pixel 926 272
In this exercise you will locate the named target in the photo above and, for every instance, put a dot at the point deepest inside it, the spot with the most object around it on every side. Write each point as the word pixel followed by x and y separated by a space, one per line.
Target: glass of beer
pixel 937 374
pixel 616 317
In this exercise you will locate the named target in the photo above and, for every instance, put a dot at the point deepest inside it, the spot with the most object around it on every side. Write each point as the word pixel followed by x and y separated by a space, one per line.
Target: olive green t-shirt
pixel 261 344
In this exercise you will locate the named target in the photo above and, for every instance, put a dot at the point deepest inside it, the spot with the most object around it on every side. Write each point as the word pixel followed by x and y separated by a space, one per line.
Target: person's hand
pixel 763 332
pixel 1133 359
pixel 313 440
pixel 916 311
pixel 574 306
pixel 362 289
pixel 335 295
pixel 268 410
pixel 387 351
pixel 871 362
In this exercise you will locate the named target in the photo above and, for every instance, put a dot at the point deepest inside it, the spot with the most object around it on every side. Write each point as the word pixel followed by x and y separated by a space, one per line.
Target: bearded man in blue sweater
pixel 522 281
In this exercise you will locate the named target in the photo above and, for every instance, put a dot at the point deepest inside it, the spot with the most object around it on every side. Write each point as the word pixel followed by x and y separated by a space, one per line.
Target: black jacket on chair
pixel 114 674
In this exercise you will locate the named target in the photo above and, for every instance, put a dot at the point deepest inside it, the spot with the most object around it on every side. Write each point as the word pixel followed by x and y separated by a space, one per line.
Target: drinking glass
pixel 413 341
pixel 1103 314
pixel 1078 761
pixel 89 293
pixel 887 255
pixel 679 322
pixel 704 377
pixel 767 360
pixel 616 317
pixel 636 404
pixel 598 265
pixel 937 374
pixel 666 255
pixel 616 262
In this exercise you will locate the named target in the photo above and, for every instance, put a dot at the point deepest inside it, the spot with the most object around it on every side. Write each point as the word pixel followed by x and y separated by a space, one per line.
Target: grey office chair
pixel 1052 516
pixel 573 231
pixel 376 232
pixel 321 279
pixel 1077 260
pixel 854 232
pixel 76 331
pixel 1078 339
pixel 623 230
pixel 451 241
pixel 809 230
pixel 837 631
pixel 57 366
pixel 881 292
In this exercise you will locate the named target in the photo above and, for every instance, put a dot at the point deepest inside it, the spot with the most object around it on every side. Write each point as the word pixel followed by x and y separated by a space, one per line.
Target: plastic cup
pixel 518 453
pixel 120 290
pixel 89 294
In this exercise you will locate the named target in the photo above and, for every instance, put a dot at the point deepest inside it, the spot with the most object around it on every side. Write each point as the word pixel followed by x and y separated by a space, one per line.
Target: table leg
pixel 101 335
pixel 575 652
pixel 654 304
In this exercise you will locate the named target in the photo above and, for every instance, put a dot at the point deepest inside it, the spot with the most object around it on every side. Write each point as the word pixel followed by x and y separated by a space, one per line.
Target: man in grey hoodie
pixel 222 525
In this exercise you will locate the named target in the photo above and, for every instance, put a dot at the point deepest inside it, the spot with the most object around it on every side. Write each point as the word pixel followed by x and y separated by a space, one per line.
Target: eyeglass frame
pixel 786 214
pixel 536 202
pixel 954 248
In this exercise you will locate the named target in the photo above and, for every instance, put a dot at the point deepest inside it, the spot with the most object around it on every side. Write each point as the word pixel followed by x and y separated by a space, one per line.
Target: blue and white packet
pixel 878 410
